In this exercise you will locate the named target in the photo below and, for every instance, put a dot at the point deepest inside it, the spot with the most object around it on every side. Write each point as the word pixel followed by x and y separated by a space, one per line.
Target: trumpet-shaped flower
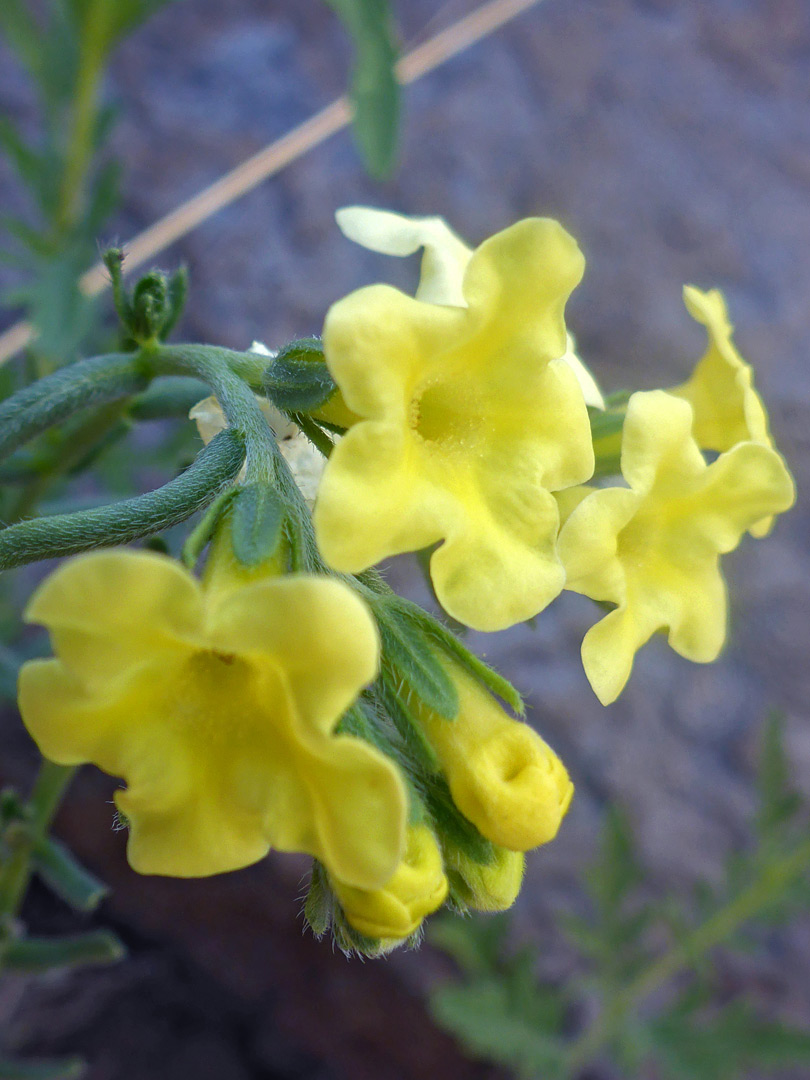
pixel 445 258
pixel 653 549
pixel 417 888
pixel 503 777
pixel 218 708
pixel 727 408
pixel 469 421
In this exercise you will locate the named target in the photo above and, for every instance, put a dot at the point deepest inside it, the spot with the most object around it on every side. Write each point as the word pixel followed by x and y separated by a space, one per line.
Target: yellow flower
pixel 653 548
pixel 444 263
pixel 417 888
pixel 494 887
pixel 727 408
pixel 469 422
pixel 503 777
pixel 218 707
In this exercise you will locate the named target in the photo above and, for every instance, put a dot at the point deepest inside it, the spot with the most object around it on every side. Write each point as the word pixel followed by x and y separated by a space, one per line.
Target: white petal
pixel 445 254
pixel 588 385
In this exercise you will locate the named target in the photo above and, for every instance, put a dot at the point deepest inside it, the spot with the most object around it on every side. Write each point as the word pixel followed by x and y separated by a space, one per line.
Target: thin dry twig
pixel 419 61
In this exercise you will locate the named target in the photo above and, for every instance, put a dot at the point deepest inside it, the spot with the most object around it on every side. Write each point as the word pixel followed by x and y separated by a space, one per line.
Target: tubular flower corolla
pixel 503 777
pixel 653 549
pixel 417 888
pixel 469 420
pixel 218 707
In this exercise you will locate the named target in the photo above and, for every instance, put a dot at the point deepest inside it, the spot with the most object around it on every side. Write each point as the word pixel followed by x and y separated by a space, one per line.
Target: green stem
pixel 224 371
pixel 84 114
pixel 15 873
pixel 681 956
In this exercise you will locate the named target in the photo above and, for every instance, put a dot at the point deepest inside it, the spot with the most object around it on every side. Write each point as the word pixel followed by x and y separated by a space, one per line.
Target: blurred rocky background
pixel 672 138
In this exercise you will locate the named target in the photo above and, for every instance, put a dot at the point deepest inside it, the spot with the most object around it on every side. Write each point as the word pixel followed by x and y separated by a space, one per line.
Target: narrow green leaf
pixel 66 877
pixel 375 91
pixel 21 32
pixel 256 520
pixel 413 661
pixel 43 954
pixel 131 519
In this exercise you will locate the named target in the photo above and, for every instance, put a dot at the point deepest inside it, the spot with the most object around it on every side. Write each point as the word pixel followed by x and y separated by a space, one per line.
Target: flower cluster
pixel 286 699
pixel 474 409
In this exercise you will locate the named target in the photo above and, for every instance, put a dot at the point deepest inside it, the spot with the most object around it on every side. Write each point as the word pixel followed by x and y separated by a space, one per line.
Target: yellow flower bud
pixel 417 888
pixel 494 887
pixel 503 777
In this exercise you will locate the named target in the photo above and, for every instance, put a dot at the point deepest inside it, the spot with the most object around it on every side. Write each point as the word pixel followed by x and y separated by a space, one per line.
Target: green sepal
pixel 131 519
pixel 64 876
pixel 205 527
pixel 320 901
pixel 408 728
pixel 44 953
pixel 408 654
pixel 66 1069
pixel 297 379
pixel 451 645
pixel 257 517
pixel 449 822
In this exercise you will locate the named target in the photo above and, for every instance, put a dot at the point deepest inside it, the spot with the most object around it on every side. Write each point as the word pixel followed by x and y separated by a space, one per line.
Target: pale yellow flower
pixel 219 709
pixel 727 408
pixel 417 888
pixel 503 777
pixel 444 263
pixel 469 422
pixel 653 549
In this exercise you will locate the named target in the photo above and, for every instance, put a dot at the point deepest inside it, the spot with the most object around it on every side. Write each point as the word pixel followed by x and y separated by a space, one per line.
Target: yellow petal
pixel 517 285
pixel 111 610
pixel 588 543
pixel 301 624
pixel 721 390
pixel 379 343
pixel 375 499
pixel 417 888
pixel 489 576
pixel 445 254
pixel 657 440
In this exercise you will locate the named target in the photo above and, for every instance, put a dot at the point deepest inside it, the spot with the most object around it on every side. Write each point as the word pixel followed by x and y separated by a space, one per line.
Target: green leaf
pixel 67 1069
pixel 468 660
pixel 375 92
pixel 22 34
pixel 413 661
pixel 297 379
pixel 482 1015
pixel 43 954
pixel 66 877
pixel 256 520
pixel 319 903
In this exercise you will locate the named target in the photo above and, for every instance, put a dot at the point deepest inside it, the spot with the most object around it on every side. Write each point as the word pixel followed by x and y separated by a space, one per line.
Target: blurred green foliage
pixel 648 994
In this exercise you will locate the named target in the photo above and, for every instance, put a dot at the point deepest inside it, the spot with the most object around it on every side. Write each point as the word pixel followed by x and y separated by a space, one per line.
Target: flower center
pixel 448 414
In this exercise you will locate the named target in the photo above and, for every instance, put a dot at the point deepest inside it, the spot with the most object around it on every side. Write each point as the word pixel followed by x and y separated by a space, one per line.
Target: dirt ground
pixel 672 138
